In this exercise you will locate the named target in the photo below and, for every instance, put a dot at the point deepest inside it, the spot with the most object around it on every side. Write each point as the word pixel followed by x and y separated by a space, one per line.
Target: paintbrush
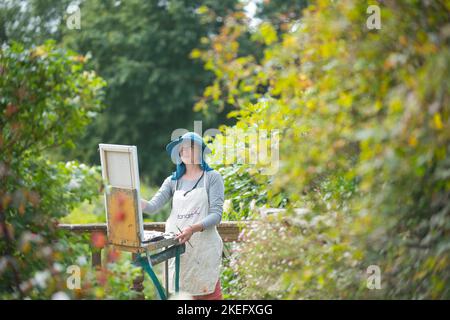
pixel 182 231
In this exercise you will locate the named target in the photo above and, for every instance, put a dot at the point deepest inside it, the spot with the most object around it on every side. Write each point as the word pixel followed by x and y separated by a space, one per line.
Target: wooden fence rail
pixel 228 230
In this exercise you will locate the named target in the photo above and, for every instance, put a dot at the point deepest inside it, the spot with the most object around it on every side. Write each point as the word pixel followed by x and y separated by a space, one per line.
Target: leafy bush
pixel 364 114
pixel 46 99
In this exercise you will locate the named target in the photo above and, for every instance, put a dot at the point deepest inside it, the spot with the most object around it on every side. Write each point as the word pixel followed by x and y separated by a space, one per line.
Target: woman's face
pixel 190 153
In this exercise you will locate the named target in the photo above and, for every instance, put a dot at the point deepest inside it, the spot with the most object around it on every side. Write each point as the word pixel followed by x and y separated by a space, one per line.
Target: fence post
pixel 96 254
pixel 138 282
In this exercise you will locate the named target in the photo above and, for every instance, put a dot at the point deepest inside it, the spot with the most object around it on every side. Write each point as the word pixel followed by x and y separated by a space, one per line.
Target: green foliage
pixel 93 209
pixel 32 21
pixel 244 192
pixel 152 80
pixel 298 255
pixel 141 48
pixel 31 120
pixel 46 99
pixel 245 176
pixel 280 13
pixel 364 116
pixel 113 281
pixel 87 212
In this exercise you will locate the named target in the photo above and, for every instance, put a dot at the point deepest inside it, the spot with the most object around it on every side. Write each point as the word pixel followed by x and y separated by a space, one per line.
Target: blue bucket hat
pixel 173 149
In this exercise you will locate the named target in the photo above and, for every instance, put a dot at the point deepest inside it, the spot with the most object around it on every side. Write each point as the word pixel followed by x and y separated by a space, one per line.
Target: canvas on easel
pixel 125 226
pixel 122 195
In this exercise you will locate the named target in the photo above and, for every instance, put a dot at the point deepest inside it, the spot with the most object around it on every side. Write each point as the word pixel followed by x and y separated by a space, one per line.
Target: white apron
pixel 199 264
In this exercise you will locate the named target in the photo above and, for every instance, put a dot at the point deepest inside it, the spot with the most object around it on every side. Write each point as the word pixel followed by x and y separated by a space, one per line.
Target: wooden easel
pixel 123 234
pixel 124 216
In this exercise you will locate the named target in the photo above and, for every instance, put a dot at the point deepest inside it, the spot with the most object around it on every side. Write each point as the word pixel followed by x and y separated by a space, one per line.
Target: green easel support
pixel 174 251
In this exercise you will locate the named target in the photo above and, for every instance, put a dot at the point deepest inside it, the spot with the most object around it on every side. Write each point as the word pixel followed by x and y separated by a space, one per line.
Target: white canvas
pixel 120 169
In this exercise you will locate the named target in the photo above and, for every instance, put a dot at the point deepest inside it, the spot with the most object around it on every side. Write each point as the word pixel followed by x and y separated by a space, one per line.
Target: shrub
pixel 364 109
pixel 46 99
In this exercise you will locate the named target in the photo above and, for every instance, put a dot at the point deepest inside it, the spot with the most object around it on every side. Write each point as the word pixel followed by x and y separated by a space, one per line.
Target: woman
pixel 197 193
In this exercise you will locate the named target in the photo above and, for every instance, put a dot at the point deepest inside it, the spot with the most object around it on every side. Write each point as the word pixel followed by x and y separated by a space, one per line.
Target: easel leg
pixel 148 268
pixel 166 275
pixel 138 282
pixel 177 269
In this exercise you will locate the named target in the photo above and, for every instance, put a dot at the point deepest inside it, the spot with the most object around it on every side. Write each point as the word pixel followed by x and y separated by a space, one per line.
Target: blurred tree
pixel 280 13
pixel 364 118
pixel 31 21
pixel 141 48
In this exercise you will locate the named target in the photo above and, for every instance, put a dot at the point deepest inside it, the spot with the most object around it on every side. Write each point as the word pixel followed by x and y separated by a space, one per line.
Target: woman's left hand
pixel 185 235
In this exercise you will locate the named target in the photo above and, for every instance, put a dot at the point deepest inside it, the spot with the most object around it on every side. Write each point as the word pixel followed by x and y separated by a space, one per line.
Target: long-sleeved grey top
pixel 214 187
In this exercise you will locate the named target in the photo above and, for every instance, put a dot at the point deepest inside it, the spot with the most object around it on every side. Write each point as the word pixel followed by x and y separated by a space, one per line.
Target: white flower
pixel 81 260
pixel 40 278
pixel 181 296
pixel 58 267
pixel 227 206
pixel 252 205
pixel 60 296
pixel 73 184
pixel 46 251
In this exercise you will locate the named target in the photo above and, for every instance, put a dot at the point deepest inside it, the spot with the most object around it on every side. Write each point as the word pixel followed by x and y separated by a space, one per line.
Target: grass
pixel 94 211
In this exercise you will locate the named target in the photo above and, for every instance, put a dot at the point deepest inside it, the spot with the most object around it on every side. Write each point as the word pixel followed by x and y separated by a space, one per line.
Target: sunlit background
pixel 357 90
